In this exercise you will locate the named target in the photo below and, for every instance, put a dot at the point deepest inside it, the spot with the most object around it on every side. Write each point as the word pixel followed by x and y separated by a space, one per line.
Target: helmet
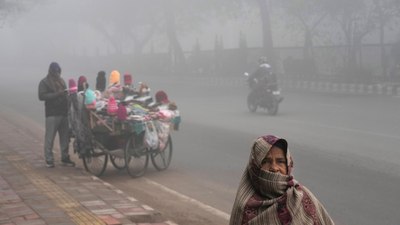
pixel 263 60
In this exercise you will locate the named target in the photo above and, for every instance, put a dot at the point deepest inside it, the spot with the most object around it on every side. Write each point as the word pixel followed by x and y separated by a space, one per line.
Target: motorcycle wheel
pixel 273 109
pixel 251 105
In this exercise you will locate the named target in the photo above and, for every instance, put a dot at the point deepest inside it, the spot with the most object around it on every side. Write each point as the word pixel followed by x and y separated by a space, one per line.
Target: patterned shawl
pixel 271 198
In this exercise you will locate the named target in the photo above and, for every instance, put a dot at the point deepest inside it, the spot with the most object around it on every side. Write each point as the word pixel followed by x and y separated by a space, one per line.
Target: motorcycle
pixel 266 96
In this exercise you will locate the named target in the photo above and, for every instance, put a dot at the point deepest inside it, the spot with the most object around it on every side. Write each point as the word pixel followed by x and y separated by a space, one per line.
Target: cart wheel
pixel 136 158
pixel 96 162
pixel 162 158
pixel 118 162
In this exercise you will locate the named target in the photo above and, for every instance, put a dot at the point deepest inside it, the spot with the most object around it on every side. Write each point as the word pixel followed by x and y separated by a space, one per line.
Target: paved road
pixel 345 150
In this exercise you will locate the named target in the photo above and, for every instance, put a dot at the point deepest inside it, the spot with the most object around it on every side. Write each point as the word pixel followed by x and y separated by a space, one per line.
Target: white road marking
pixel 205 207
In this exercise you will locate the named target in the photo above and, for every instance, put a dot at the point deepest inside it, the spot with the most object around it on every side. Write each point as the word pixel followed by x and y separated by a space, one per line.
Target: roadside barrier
pixel 387 89
pixel 348 88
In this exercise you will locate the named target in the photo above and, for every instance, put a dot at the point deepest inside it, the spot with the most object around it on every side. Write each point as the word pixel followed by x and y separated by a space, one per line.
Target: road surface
pixel 345 149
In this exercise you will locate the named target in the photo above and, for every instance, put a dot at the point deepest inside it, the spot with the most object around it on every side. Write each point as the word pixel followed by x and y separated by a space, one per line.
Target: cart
pixel 123 143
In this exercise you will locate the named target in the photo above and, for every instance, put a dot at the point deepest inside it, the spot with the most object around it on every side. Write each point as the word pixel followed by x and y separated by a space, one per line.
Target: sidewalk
pixel 31 194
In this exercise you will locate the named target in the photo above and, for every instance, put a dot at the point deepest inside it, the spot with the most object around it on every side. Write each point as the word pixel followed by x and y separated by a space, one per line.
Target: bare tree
pixel 10 8
pixel 356 19
pixel 183 15
pixel 310 14
pixel 134 23
pixel 268 44
pixel 385 10
pixel 142 20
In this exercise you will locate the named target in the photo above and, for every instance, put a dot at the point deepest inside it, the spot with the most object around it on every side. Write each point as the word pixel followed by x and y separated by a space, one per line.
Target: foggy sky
pixel 53 29
pixel 57 27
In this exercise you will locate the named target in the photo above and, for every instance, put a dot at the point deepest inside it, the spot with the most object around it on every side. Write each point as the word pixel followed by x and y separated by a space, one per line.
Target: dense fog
pixel 336 63
pixel 93 35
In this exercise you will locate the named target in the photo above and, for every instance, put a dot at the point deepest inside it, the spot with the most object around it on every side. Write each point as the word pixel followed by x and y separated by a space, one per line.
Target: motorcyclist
pixel 263 78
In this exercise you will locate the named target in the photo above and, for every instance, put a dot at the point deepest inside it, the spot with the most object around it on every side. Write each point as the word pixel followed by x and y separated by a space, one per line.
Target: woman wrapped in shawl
pixel 268 193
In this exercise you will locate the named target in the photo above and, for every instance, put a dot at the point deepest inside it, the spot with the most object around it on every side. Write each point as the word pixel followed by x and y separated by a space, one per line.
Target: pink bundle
pixel 121 112
pixel 165 114
pixel 112 107
pixel 72 86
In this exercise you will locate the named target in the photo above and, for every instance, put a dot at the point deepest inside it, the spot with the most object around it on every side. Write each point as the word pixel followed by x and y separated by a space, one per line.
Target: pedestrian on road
pixel 53 91
pixel 268 193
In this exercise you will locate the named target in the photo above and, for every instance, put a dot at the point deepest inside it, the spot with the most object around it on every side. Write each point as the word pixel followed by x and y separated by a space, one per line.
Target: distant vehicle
pixel 263 95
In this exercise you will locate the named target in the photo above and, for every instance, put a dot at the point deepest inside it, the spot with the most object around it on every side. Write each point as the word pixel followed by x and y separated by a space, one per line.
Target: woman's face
pixel 275 161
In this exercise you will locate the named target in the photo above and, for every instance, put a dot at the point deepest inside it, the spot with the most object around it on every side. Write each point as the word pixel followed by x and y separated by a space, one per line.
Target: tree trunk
pixel 382 43
pixel 308 45
pixel 268 45
pixel 383 51
pixel 177 52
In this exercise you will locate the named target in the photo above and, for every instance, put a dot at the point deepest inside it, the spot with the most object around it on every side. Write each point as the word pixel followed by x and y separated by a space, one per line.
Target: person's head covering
pixel 72 88
pixel 82 83
pixel 101 81
pixel 263 144
pixel 114 78
pixel 54 69
pixel 54 77
pixel 265 197
pixel 161 97
pixel 128 79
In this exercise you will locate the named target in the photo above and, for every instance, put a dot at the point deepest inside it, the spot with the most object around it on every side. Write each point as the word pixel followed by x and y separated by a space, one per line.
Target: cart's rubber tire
pixel 96 162
pixel 136 159
pixel 162 158
pixel 118 162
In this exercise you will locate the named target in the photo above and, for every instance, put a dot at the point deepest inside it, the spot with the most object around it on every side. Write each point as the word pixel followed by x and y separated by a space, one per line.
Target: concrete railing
pixel 388 89
pixel 391 89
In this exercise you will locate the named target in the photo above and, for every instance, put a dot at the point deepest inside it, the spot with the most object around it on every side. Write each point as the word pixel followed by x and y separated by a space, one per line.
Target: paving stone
pixel 32 216
pixel 104 211
pixel 109 220
pixel 93 203
pixel 118 215
pixel 124 205
pixel 31 222
pixel 4 218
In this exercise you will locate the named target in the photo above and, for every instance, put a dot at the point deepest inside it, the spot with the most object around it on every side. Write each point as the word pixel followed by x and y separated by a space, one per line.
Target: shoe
pixel 49 164
pixel 67 162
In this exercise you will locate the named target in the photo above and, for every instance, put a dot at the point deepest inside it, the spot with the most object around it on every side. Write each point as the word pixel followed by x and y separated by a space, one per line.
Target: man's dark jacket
pixel 56 103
